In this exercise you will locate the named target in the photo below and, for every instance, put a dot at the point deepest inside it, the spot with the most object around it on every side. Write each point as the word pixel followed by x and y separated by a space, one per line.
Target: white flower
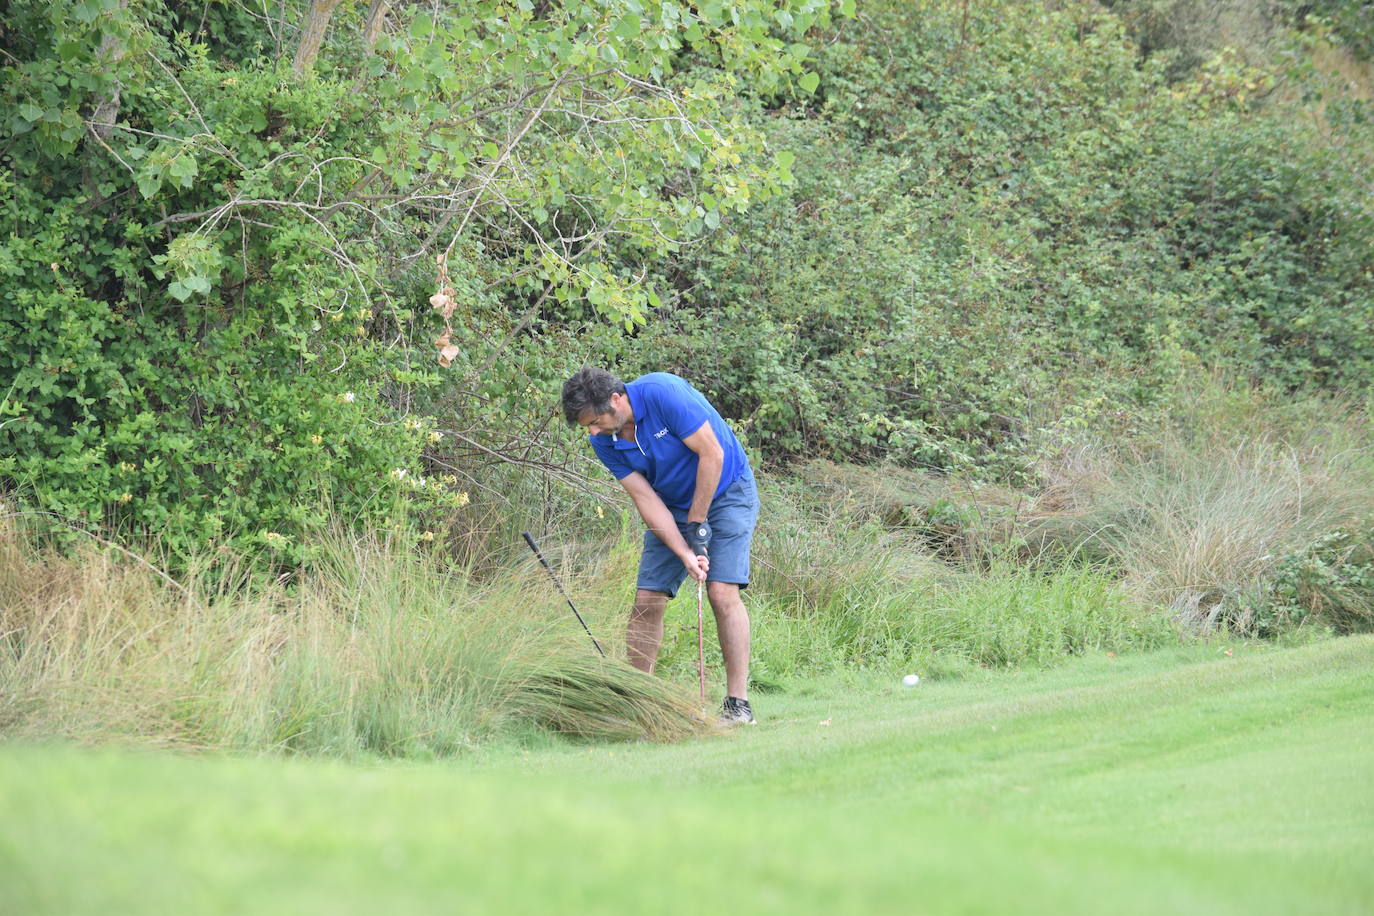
pixel 398 473
pixel 349 397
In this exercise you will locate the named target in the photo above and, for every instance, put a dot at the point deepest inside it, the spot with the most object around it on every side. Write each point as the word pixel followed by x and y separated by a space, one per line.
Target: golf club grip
pixel 537 552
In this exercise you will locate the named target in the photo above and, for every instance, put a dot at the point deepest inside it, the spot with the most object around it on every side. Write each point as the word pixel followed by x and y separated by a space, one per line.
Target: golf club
pixel 701 644
pixel 558 585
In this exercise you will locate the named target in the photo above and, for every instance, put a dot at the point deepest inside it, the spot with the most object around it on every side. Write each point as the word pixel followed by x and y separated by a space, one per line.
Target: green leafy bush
pixel 1002 219
pixel 1329 583
pixel 214 249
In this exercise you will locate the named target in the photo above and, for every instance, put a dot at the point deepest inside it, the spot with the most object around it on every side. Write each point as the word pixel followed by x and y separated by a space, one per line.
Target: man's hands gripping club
pixel 698 536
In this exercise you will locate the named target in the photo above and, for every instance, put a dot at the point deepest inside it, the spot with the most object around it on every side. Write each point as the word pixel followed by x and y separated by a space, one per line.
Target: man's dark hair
pixel 589 391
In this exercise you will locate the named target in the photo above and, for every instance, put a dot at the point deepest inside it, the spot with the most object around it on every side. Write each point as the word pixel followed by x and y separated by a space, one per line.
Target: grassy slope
pixel 1177 782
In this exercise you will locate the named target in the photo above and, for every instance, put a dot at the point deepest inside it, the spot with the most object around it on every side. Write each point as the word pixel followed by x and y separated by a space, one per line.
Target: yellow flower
pixel 427 536
pixel 462 499
pixel 600 512
pixel 316 439
pixel 435 436
pixel 125 497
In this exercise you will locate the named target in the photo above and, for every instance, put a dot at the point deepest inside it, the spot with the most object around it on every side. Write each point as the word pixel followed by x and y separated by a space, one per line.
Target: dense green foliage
pixel 940 234
pixel 1005 220
pixel 213 254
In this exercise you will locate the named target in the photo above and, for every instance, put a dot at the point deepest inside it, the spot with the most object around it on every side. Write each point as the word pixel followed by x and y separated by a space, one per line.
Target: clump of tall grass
pixel 1198 517
pixel 375 652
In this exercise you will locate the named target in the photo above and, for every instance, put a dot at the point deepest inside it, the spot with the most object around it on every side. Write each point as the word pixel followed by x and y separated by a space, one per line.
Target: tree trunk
pixel 112 50
pixel 376 18
pixel 312 36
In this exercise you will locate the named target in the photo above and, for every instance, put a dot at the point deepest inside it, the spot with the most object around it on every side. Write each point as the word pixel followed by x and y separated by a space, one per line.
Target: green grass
pixel 1184 781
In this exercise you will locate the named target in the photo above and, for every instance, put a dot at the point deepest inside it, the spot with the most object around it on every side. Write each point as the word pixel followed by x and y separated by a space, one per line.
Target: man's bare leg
pixel 732 627
pixel 645 631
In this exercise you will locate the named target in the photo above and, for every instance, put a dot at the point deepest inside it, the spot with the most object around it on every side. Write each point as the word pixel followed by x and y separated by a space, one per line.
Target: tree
pixel 215 253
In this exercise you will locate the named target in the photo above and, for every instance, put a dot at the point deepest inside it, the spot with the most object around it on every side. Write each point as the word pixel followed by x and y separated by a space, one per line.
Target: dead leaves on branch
pixel 447 350
pixel 444 303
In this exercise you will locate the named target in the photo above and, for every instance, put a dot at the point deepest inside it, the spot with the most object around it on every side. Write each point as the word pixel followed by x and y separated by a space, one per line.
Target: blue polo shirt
pixel 667 410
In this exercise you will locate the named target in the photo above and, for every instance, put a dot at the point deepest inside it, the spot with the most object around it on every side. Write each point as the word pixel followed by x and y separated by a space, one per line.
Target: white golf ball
pixel 911 680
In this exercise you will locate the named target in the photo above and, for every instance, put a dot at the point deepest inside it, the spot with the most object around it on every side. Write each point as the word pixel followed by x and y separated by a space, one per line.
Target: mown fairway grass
pixel 1186 781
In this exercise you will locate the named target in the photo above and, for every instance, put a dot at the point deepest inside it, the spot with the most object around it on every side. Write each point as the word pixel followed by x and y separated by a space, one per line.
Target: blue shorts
pixel 732 518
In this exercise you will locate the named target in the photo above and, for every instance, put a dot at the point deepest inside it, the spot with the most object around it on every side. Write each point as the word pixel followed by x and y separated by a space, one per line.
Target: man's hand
pixel 697 535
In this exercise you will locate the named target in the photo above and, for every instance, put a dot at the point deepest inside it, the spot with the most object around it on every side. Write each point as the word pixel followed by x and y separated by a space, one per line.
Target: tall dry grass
pixel 1197 516
pixel 376 652
pixel 1193 514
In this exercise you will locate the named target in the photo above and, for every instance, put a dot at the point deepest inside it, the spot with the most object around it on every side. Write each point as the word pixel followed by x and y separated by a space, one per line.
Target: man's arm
pixel 710 462
pixel 661 522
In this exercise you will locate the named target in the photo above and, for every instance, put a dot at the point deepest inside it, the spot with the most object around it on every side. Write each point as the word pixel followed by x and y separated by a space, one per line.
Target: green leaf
pixel 809 82
pixel 183 169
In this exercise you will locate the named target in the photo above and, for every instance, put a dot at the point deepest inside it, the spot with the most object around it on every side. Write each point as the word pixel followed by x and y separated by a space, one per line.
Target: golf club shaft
pixel 701 647
pixel 558 585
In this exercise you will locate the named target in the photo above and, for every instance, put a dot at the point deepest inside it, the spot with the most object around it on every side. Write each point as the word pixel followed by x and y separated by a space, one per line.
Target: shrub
pixel 1330 582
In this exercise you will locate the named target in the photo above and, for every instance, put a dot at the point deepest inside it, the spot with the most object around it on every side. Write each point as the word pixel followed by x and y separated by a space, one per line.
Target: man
pixel 691 482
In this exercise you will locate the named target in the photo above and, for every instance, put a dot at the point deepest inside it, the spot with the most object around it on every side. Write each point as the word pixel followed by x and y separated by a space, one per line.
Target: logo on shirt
pixel 661 433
